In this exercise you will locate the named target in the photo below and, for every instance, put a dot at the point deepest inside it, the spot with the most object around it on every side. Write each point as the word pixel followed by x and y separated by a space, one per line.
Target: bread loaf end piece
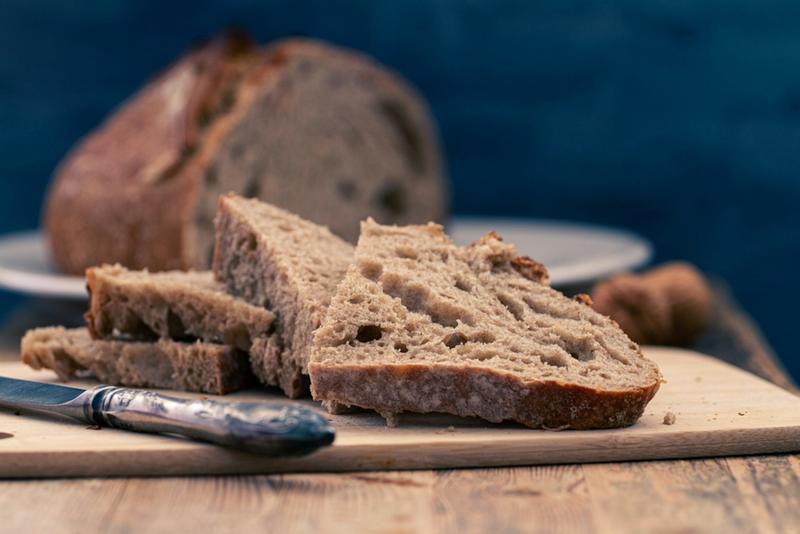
pixel 197 367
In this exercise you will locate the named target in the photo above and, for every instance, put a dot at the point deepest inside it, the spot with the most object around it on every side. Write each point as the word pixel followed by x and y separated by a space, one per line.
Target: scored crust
pixel 125 193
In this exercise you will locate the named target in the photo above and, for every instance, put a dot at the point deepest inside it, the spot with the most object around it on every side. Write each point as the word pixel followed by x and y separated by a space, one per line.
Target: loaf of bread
pixel 273 258
pixel 421 325
pixel 198 367
pixel 323 132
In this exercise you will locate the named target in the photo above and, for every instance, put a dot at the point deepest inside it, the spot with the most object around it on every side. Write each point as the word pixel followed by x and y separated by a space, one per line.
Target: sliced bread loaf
pixel 199 367
pixel 319 130
pixel 275 259
pixel 421 325
pixel 179 305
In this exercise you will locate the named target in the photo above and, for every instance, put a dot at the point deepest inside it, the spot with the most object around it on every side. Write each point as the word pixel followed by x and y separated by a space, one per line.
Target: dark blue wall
pixel 680 120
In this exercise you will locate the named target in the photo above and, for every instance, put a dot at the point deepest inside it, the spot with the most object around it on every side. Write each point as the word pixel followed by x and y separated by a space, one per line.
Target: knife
pixel 261 427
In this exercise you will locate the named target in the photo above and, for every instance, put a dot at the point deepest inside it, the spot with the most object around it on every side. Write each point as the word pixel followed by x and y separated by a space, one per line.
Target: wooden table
pixel 751 494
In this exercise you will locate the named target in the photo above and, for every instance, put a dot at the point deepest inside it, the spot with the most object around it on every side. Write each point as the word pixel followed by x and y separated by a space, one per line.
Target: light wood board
pixel 720 410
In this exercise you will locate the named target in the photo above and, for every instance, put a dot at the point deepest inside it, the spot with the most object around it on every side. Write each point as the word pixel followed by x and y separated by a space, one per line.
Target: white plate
pixel 573 253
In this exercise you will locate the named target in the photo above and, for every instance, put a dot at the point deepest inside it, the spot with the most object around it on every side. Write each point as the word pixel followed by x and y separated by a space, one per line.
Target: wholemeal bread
pixel 272 258
pixel 321 131
pixel 198 367
pixel 171 305
pixel 179 305
pixel 421 325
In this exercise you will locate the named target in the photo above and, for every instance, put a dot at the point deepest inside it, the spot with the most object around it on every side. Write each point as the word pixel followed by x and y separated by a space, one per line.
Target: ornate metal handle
pixel 266 428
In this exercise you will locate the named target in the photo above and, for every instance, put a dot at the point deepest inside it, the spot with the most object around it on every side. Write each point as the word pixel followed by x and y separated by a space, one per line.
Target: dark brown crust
pixel 123 197
pixel 531 269
pixel 550 405
pixel 584 299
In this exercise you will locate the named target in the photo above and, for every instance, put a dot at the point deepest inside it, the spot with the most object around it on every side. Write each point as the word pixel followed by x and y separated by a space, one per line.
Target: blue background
pixel 677 119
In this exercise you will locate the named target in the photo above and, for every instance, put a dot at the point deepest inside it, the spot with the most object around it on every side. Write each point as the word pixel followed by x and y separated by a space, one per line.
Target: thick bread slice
pixel 421 325
pixel 200 367
pixel 179 305
pixel 275 259
pixel 316 129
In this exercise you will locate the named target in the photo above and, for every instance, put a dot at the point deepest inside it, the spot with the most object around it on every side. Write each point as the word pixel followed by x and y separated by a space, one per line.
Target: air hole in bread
pixel 536 307
pixel 483 355
pixel 356 299
pixel 347 189
pixel 463 284
pixel 175 326
pixel 368 332
pixel 483 337
pixel 557 359
pixel 407 131
pixel 393 200
pixel 304 66
pixel 271 328
pixel 248 242
pixel 404 251
pixel 210 177
pixel 453 340
pixel 371 269
pixel 512 305
pixel 400 347
pixel 417 298
pixel 582 350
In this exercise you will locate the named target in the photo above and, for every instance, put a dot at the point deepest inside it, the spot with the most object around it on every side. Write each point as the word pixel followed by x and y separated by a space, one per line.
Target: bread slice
pixel 273 258
pixel 421 325
pixel 199 367
pixel 319 130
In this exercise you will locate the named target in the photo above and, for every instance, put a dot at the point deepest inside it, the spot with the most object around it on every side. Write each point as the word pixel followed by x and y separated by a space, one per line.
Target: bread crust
pixel 484 393
pixel 133 191
pixel 121 196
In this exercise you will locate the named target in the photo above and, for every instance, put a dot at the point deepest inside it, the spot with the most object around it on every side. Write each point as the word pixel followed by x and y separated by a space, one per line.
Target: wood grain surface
pixel 713 418
pixel 733 494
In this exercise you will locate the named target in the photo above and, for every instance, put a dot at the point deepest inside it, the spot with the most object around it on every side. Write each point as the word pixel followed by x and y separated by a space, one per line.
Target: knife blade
pixel 272 428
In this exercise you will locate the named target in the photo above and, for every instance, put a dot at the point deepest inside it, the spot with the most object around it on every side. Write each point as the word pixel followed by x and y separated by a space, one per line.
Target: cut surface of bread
pixel 179 305
pixel 198 367
pixel 275 259
pixel 316 129
pixel 421 325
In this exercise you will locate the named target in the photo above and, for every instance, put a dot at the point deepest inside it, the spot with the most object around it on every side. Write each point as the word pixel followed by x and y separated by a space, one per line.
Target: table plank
pixel 760 493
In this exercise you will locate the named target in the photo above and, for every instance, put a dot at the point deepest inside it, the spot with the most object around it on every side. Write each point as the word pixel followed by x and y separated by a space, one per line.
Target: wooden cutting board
pixel 719 409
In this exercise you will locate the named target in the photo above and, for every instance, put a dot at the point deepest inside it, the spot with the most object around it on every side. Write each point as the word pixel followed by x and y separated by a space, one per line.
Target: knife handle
pixel 260 427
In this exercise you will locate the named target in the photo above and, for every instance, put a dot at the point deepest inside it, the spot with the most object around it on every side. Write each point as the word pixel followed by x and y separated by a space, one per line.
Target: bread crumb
pixel 94 427
pixel 450 428
pixel 669 418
